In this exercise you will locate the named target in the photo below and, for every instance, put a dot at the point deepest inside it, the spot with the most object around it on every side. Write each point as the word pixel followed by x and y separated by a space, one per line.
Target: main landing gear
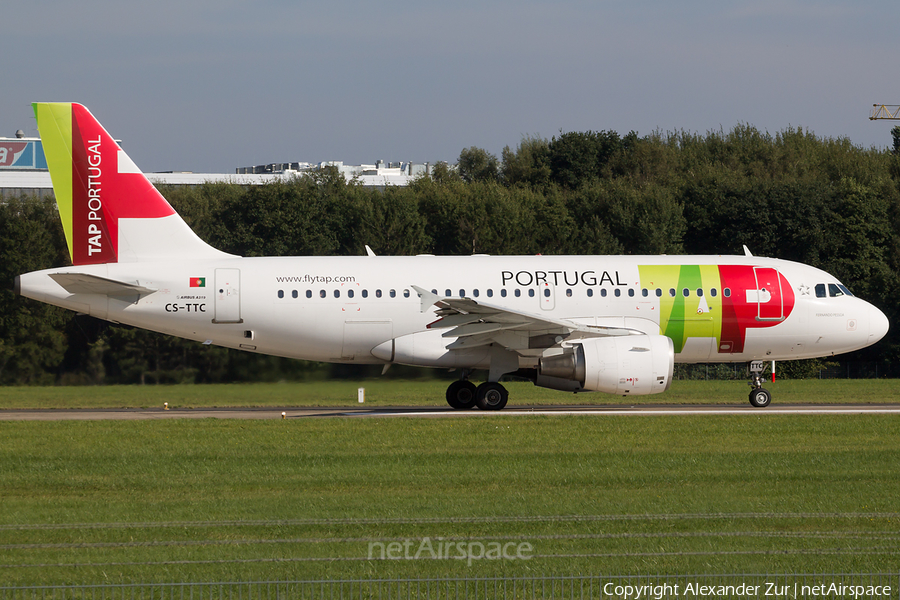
pixel 464 394
pixel 759 396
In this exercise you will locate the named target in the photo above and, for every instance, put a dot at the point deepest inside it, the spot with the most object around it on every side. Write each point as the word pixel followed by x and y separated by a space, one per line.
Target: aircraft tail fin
pixel 110 211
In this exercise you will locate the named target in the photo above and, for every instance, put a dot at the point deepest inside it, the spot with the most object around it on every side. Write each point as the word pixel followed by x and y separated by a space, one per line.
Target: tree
pixel 579 157
pixel 528 165
pixel 475 164
pixel 32 339
pixel 442 173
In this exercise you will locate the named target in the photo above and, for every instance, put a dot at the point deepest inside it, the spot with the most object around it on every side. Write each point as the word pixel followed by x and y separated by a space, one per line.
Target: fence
pixel 619 587
pixel 802 369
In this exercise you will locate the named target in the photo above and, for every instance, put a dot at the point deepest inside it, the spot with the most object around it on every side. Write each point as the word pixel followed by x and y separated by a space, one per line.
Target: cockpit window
pixel 835 290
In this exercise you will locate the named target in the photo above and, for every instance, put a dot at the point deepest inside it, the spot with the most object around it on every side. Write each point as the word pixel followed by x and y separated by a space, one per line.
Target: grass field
pixel 387 392
pixel 187 500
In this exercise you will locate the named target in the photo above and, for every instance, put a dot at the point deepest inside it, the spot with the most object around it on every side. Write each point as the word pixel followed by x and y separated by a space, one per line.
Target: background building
pixel 23 171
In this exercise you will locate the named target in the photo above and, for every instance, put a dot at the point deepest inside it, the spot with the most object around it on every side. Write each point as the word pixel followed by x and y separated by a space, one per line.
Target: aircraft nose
pixel 878 325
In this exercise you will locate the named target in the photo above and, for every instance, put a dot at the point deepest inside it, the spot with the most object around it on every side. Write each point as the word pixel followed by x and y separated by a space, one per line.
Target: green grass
pixel 388 392
pixel 304 498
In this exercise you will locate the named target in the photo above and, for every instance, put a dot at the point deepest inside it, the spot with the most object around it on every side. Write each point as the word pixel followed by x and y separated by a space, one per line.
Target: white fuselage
pixel 342 309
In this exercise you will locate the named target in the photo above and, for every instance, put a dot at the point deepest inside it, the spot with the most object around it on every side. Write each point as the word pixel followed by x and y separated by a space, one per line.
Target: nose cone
pixel 878 325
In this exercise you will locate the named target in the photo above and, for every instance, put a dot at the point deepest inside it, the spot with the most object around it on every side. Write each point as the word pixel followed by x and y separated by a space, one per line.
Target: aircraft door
pixel 228 296
pixel 770 305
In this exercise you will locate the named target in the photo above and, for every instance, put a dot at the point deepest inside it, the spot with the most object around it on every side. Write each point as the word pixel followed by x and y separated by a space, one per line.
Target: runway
pixel 136 414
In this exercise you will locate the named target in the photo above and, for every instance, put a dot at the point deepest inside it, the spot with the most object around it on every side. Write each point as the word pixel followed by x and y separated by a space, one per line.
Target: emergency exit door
pixel 228 296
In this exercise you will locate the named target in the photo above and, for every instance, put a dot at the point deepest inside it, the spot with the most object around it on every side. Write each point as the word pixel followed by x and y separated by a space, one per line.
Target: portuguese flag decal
pixel 198 281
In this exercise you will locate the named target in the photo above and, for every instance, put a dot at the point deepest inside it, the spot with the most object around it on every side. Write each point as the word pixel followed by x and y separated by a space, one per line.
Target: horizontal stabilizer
pixel 82 283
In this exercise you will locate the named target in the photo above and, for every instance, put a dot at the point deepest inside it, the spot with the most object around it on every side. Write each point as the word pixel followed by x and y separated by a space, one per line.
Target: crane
pixel 887 112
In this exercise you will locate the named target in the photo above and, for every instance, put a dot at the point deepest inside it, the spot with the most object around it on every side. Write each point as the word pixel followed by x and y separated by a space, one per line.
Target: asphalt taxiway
pixel 437 411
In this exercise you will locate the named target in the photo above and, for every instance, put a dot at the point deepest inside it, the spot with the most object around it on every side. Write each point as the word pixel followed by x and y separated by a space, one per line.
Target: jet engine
pixel 625 365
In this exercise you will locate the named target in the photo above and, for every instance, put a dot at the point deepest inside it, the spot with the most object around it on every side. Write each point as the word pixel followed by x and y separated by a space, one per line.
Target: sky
pixel 212 85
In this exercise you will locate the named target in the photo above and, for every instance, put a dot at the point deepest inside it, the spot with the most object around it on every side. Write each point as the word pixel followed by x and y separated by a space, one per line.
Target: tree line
pixel 791 195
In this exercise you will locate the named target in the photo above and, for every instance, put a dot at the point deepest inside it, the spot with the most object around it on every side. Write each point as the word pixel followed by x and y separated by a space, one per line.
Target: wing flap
pixel 480 328
pixel 475 323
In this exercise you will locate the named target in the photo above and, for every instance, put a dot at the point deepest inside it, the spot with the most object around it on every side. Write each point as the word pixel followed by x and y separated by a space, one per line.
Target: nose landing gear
pixel 759 396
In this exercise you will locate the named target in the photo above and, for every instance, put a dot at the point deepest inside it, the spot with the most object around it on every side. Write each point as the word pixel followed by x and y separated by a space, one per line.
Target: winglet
pixel 747 251
pixel 428 298
pixel 369 251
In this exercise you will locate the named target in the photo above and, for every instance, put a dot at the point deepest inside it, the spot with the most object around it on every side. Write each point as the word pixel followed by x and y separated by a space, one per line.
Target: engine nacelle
pixel 630 364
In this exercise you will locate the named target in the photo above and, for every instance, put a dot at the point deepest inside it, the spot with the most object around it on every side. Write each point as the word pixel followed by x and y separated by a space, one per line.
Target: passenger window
pixel 475 292
pixel 393 293
pixel 309 293
pixel 700 292
pixel 531 293
pixel 618 292
pixel 630 293
pixel 281 293
pixel 590 293
pixel 672 292
pixel 727 292
pixel 294 294
pixel 834 291
pixel 337 293
pixel 434 292
pixel 322 293
pixel 518 292
pixel 378 293
pixel 349 293
pixel 490 293
pixel 462 293
pixel 406 293
pixel 503 293
pixel 603 292
pixel 645 292
pixel 365 293
pixel 713 292
pixel 686 292
pixel 658 292
pixel 447 293
pixel 546 292
pixel 569 293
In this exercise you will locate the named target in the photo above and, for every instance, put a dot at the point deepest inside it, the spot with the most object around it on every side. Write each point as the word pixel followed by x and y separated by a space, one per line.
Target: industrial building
pixel 23 171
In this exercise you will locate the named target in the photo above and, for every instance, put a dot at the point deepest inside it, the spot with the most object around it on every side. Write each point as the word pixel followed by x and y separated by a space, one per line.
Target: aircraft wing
pixel 475 323
pixel 83 283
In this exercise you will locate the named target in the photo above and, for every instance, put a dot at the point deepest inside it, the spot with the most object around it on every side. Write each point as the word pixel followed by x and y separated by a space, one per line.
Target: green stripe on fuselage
pixel 685 316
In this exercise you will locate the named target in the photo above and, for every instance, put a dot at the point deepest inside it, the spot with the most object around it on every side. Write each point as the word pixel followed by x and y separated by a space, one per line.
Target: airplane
pixel 615 324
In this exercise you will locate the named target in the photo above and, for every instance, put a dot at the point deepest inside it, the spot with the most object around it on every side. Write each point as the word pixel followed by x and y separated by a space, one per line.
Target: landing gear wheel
pixel 491 396
pixel 760 397
pixel 461 394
